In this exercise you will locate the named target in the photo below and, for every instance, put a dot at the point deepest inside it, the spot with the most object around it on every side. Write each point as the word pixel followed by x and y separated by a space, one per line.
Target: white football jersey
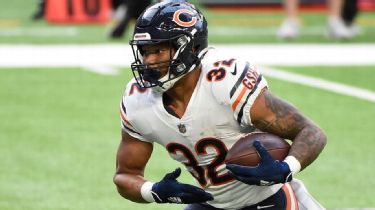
pixel 217 115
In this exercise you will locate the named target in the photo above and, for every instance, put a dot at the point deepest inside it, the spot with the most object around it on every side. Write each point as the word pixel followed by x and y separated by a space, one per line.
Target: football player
pixel 196 103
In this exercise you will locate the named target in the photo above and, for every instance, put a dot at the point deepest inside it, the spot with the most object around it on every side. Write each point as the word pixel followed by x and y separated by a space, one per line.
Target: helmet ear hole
pixel 182 40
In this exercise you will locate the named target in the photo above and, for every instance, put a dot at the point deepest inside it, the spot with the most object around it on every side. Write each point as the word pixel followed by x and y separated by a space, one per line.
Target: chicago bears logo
pixel 176 18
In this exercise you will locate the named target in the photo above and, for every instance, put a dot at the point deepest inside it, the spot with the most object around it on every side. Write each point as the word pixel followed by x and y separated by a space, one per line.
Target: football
pixel 244 153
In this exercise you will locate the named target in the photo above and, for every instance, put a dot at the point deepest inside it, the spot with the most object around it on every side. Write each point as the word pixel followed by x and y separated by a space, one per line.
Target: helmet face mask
pixel 183 28
pixel 149 76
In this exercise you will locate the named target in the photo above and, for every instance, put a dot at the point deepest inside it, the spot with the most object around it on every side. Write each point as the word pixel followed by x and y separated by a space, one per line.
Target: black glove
pixel 169 190
pixel 268 172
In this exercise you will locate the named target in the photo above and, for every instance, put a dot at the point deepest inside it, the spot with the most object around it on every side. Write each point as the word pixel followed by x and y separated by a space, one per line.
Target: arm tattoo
pixel 287 122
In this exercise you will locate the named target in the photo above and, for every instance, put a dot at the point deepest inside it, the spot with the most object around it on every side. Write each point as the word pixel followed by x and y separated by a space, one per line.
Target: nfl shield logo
pixel 181 128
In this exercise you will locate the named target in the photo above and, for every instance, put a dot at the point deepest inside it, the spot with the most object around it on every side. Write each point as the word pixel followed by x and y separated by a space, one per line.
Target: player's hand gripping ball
pixel 257 159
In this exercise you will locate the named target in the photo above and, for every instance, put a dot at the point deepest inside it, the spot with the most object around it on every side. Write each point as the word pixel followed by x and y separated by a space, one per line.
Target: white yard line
pixel 121 54
pixel 104 58
pixel 320 84
pixel 303 54
pixel 64 55
pixel 105 70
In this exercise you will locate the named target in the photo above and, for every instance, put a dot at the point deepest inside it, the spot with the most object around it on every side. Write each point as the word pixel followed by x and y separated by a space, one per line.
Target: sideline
pixel 106 58
pixel 120 55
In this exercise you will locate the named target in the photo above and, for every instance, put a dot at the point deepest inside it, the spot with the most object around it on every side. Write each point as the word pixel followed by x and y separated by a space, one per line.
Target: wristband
pixel 146 192
pixel 294 164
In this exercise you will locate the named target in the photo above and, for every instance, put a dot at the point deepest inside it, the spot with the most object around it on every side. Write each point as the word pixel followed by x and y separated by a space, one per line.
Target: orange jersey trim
pixel 238 99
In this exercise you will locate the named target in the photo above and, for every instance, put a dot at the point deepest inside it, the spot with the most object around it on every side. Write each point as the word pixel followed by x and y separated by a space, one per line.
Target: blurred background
pixel 64 65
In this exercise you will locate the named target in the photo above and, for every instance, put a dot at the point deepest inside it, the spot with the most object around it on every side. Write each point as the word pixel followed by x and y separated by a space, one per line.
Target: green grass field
pixel 59 133
pixel 60 128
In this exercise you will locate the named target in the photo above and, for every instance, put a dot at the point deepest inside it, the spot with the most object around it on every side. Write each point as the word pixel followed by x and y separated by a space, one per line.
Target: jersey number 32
pixel 205 173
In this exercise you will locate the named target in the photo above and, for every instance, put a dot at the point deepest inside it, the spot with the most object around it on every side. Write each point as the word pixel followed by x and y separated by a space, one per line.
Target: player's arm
pixel 272 114
pixel 132 156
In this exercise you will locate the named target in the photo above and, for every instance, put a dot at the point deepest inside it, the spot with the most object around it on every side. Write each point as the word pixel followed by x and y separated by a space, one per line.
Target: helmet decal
pixel 176 18
pixel 142 36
